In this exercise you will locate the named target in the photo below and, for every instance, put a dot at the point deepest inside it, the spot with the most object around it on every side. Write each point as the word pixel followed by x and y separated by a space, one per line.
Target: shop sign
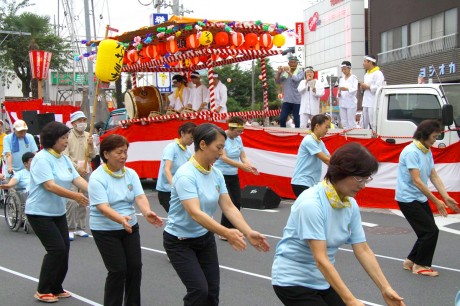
pixel 442 70
pixel 313 21
pixel 163 80
pixel 299 31
pixel 158 18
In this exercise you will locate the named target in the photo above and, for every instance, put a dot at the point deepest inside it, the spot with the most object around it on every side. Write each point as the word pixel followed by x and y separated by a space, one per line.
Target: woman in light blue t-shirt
pixel 232 159
pixel 198 188
pixel 416 166
pixel 322 219
pixel 174 155
pixel 113 190
pixel 312 152
pixel 51 178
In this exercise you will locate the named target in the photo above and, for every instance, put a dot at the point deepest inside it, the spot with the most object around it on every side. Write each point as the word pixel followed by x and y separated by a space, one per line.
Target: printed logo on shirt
pixel 218 188
pixel 130 187
pixel 70 170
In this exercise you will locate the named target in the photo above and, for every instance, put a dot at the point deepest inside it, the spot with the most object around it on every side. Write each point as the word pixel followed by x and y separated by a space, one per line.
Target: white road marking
pixel 74 295
pixel 369 224
pixel 262 210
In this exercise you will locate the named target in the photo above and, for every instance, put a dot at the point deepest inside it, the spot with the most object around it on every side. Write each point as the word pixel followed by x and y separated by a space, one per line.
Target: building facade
pixel 416 39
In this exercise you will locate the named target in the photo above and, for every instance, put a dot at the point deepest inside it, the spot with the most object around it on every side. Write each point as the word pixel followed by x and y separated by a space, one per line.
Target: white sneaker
pixel 71 236
pixel 81 233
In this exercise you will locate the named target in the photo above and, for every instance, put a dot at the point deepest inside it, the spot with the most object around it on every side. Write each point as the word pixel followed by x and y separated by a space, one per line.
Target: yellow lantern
pixel 206 38
pixel 109 60
pixel 279 40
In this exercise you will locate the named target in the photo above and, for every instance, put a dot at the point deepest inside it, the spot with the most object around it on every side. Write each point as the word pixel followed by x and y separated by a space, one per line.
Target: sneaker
pixel 71 236
pixel 81 233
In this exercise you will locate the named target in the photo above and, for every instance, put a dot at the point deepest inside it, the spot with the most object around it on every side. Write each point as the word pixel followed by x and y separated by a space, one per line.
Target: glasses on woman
pixel 363 180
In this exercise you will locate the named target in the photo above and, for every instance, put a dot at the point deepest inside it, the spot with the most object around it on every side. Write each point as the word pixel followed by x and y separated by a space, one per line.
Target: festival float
pixel 183 45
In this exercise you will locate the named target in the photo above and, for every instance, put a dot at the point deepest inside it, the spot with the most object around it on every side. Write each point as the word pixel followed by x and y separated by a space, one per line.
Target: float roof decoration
pixel 184 44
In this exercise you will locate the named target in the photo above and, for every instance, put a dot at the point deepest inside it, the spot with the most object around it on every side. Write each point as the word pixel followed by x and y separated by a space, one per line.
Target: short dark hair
pixel 426 128
pixel 208 133
pixel 186 128
pixel 351 159
pixel 51 133
pixel 318 119
pixel 111 143
pixel 346 63
pixel 179 78
pixel 26 156
pixel 237 120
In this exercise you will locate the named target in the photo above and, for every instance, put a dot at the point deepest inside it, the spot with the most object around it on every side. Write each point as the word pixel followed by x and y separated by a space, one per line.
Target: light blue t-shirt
pixel 189 183
pixel 46 167
pixel 233 148
pixel 412 158
pixel 307 171
pixel 119 193
pixel 313 218
pixel 178 157
pixel 23 148
pixel 23 178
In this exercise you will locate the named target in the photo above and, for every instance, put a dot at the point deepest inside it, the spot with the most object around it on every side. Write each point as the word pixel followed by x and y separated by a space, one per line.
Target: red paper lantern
pixel 203 59
pixel 172 64
pixel 171 46
pixel 161 48
pixel 39 63
pixel 215 57
pixel 250 40
pixel 265 40
pixel 195 60
pixel 221 39
pixel 143 58
pixel 133 56
pixel 237 39
pixel 151 51
pixel 192 42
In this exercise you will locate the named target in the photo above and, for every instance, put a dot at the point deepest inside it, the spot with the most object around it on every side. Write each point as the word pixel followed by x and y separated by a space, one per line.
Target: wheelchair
pixel 14 204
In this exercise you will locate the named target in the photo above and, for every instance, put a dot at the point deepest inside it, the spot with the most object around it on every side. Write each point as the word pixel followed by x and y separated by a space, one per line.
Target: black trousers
pixel 54 236
pixel 121 253
pixel 301 296
pixel 290 108
pixel 234 191
pixel 196 263
pixel 298 189
pixel 164 198
pixel 420 218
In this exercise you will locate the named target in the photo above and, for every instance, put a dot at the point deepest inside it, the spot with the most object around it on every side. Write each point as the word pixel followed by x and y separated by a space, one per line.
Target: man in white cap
pixel 16 144
pixel 200 94
pixel 373 79
pixel 79 140
pixel 220 93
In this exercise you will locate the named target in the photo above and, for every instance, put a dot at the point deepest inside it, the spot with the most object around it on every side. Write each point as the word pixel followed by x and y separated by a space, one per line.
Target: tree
pixel 17 48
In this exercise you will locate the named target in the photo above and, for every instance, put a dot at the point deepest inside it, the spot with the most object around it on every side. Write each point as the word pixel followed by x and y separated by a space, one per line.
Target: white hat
pixel 20 125
pixel 77 115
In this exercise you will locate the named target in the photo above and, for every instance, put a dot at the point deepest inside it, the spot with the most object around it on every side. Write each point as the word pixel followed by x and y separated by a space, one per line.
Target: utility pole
pixel 89 102
pixel 253 91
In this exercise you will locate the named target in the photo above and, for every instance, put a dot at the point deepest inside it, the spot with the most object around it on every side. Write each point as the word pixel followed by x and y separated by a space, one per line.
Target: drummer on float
pixel 180 97
pixel 200 94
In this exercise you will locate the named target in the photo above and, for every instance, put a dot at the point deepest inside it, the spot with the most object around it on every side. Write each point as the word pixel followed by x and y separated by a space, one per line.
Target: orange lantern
pixel 221 39
pixel 250 40
pixel 143 58
pixel 194 60
pixel 203 59
pixel 192 41
pixel 265 40
pixel 151 51
pixel 237 39
pixel 172 64
pixel 133 56
pixel 161 48
pixel 171 46
pixel 215 57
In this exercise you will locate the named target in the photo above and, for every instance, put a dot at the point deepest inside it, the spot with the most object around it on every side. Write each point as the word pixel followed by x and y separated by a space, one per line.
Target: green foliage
pixel 17 47
pixel 239 88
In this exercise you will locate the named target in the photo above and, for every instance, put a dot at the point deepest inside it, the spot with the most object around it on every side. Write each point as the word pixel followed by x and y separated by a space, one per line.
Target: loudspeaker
pixel 31 119
pixel 44 119
pixel 259 197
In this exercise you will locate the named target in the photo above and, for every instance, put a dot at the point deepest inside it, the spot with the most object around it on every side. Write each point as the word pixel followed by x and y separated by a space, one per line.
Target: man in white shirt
pixel 373 79
pixel 220 93
pixel 180 97
pixel 199 93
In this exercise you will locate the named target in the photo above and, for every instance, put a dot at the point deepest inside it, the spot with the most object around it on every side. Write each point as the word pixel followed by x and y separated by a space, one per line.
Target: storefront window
pixel 451 21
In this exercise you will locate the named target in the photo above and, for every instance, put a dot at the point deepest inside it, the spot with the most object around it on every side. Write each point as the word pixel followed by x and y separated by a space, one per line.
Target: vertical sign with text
pixel 158 18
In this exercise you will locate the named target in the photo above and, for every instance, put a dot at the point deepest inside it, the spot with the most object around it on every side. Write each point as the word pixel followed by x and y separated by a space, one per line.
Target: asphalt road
pixel 245 276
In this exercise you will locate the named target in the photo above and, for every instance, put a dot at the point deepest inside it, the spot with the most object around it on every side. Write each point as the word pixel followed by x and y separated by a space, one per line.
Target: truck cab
pixel 115 116
pixel 400 108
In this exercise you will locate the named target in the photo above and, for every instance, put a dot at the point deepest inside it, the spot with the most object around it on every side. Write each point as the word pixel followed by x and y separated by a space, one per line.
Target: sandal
pixel 426 272
pixel 63 295
pixel 408 264
pixel 46 297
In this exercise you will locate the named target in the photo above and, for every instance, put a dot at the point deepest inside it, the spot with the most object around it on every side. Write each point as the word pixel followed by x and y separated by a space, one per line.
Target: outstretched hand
pixel 392 298
pixel 153 218
pixel 236 239
pixel 258 241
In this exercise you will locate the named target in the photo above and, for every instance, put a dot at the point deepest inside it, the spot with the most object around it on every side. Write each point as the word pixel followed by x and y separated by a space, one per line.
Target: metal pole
pixel 90 63
pixel 253 92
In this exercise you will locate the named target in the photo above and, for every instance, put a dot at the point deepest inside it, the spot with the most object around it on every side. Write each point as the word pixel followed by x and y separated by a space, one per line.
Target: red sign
pixel 299 30
pixel 313 21
pixel 40 63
